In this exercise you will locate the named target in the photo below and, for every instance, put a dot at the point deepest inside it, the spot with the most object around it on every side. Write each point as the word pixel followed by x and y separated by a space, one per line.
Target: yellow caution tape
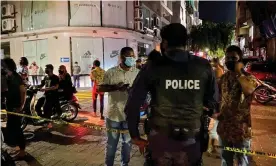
pixel 67 123
pixel 232 149
pixel 248 152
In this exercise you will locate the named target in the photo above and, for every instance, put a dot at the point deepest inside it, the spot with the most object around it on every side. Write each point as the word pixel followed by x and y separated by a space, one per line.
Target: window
pixel 181 13
pixel 5 50
pixel 37 51
pixel 146 18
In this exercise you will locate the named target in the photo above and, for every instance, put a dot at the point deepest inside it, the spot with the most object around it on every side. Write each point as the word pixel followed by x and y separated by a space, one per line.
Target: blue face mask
pixel 129 62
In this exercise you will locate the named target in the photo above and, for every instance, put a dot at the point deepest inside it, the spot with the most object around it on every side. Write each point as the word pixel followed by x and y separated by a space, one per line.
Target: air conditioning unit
pixel 139 26
pixel 138 15
pixel 8 10
pixel 137 3
pixel 8 25
pixel 156 21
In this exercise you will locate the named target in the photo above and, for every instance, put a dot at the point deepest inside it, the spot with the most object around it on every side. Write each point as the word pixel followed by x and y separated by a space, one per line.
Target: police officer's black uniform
pixel 179 91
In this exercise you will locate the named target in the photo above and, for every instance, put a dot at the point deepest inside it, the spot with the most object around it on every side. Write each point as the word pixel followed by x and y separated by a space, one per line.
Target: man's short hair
pixel 97 63
pixel 236 49
pixel 175 34
pixel 9 64
pixel 50 66
pixel 125 50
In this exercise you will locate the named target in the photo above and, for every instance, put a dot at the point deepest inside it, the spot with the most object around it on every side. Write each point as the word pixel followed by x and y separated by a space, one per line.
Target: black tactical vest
pixel 178 91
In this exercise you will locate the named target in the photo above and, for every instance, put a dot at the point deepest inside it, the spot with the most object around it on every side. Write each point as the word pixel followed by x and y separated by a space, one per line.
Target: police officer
pixel 181 85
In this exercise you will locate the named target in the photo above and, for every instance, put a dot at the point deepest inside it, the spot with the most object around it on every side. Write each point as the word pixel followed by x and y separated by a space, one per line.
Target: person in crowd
pixel 65 88
pixel 97 75
pixel 217 67
pixel 139 64
pixel 234 127
pixel 116 82
pixel 176 105
pixel 76 74
pixel 15 100
pixel 23 69
pixel 213 138
pixel 50 98
pixel 34 69
pixel 213 135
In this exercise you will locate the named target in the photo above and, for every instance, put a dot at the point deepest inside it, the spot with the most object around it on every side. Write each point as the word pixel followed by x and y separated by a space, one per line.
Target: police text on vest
pixel 182 84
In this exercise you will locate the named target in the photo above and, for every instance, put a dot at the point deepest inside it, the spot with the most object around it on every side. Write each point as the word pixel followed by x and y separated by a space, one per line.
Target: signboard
pixel 85 50
pixel 112 48
pixel 114 13
pixel 85 13
pixel 64 59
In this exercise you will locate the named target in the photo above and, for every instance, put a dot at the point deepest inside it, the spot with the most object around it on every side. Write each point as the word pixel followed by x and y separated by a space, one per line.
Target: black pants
pixel 14 131
pixel 35 80
pixel 101 102
pixel 48 103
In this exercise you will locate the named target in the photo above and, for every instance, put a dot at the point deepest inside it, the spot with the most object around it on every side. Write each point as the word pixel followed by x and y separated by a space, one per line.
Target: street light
pixel 206 49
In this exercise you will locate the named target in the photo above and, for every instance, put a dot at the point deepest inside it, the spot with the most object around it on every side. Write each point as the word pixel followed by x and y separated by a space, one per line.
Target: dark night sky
pixel 218 11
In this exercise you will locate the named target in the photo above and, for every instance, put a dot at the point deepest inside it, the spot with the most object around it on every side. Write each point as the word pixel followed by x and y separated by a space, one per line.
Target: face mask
pixel 47 71
pixel 60 72
pixel 230 65
pixel 130 61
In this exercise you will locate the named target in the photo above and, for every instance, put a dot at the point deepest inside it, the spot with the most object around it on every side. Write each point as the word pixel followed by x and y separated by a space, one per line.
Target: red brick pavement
pixel 264 132
pixel 68 145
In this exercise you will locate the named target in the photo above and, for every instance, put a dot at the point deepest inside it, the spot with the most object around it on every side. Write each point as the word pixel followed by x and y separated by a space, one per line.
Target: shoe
pixel 102 117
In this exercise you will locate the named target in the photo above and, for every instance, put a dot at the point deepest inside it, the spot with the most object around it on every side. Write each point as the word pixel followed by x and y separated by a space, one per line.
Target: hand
pixel 215 115
pixel 18 110
pixel 238 67
pixel 205 108
pixel 141 143
pixel 124 87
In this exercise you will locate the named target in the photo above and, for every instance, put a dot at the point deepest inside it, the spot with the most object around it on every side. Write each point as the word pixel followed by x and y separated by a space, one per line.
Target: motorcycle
pixel 69 108
pixel 266 92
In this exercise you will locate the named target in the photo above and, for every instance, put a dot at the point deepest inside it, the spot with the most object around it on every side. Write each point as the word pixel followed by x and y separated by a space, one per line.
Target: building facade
pixel 248 35
pixel 64 32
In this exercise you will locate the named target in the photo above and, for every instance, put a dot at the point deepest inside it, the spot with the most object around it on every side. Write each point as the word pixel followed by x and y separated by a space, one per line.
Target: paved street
pixel 67 145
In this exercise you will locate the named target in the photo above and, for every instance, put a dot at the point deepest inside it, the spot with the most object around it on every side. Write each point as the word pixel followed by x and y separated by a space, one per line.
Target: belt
pixel 191 133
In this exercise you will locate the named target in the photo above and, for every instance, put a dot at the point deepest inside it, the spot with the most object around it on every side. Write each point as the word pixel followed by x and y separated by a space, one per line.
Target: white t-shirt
pixel 117 99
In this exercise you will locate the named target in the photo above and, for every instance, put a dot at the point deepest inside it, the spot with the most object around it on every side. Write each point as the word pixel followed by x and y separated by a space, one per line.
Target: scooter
pixel 69 108
pixel 266 92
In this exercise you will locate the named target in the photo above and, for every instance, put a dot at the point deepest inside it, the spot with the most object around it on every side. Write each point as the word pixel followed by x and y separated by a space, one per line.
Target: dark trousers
pixel 168 152
pixel 35 80
pixel 76 80
pixel 14 131
pixel 48 103
pixel 95 96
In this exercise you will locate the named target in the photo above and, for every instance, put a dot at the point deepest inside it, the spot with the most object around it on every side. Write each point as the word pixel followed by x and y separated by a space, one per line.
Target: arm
pixel 42 83
pixel 92 75
pixel 22 95
pixel 211 96
pixel 105 86
pixel 137 96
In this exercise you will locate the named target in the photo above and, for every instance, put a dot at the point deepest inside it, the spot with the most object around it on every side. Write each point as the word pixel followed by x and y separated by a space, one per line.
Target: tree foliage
pixel 214 36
